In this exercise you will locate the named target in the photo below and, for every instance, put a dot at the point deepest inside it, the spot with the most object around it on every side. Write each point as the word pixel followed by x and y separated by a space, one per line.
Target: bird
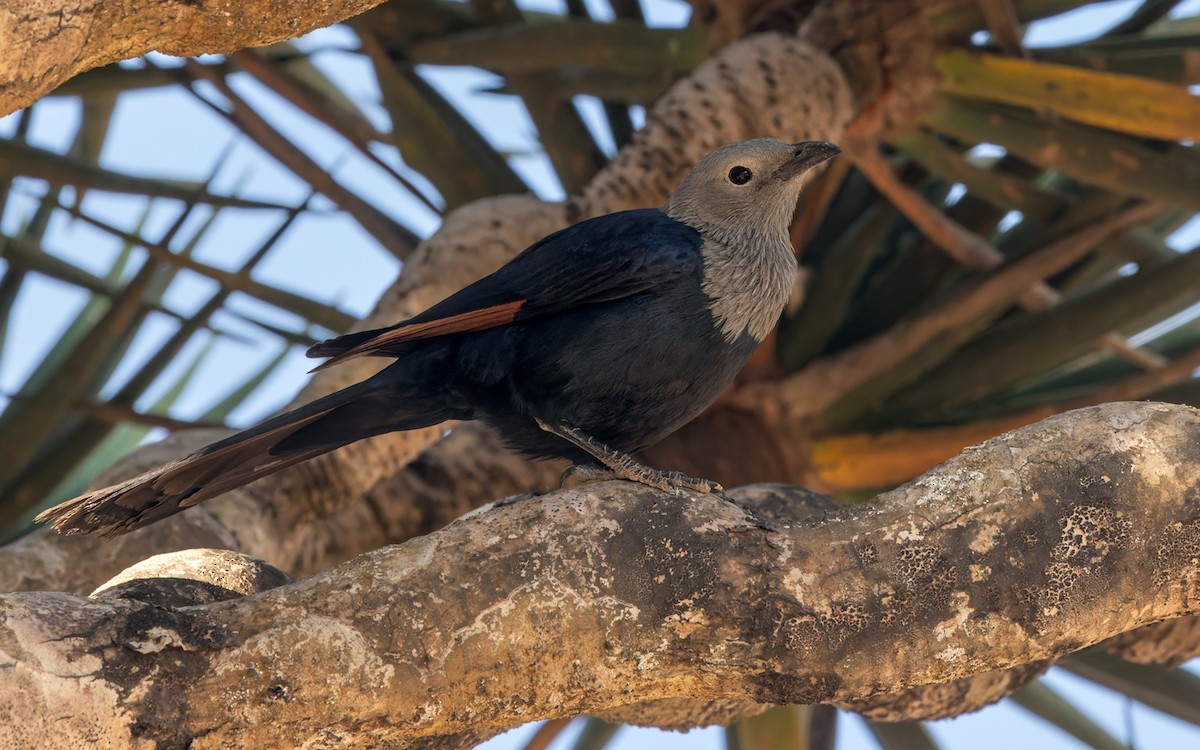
pixel 594 342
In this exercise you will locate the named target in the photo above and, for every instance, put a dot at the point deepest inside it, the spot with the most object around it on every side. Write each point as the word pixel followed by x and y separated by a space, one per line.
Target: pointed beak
pixel 805 156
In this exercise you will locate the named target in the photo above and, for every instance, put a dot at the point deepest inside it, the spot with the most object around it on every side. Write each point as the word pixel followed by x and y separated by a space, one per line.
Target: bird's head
pixel 748 187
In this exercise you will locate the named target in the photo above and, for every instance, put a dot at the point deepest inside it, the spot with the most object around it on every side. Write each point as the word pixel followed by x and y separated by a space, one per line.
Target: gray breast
pixel 749 283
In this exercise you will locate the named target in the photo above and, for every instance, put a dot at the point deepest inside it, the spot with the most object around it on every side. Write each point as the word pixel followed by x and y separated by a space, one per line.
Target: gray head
pixel 746 188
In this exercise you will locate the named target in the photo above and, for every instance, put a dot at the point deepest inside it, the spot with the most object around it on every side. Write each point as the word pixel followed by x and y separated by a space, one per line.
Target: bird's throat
pixel 749 283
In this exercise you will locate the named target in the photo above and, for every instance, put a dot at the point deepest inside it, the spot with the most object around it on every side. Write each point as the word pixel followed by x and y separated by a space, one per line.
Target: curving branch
pixel 1027 547
pixel 45 42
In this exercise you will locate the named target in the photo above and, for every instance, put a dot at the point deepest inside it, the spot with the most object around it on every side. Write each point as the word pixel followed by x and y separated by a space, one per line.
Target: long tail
pixel 357 412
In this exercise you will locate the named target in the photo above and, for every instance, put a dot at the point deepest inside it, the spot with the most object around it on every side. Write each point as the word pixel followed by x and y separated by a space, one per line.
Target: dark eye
pixel 740 175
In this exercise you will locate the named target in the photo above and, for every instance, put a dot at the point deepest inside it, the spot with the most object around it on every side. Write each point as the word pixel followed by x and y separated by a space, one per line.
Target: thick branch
pixel 1030 546
pixel 45 42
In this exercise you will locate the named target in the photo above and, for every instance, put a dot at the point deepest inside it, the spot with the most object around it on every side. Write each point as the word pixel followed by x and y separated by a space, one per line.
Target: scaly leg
pixel 586 473
pixel 620 466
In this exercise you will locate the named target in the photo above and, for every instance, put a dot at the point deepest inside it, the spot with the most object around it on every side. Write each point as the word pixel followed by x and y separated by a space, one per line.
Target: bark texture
pixel 193 576
pixel 1168 644
pixel 1027 547
pixel 45 42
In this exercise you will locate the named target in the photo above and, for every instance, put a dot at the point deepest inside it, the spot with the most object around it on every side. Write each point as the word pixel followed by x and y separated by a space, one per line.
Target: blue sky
pixel 167 133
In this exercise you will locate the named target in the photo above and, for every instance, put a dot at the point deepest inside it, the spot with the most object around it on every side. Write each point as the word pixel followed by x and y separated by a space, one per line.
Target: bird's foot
pixel 618 465
pixel 586 474
pixel 674 482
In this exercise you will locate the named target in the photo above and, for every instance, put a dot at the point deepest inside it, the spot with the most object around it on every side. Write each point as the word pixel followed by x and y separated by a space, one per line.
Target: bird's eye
pixel 740 175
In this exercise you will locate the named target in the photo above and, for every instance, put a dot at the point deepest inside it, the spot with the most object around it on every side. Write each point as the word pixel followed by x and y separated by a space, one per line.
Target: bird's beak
pixel 805 156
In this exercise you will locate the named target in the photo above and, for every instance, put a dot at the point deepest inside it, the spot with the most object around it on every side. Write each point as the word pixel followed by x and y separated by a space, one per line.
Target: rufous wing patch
pixel 473 320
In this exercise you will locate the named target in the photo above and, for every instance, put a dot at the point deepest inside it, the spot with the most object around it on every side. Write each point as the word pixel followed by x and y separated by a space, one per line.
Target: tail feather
pixel 338 419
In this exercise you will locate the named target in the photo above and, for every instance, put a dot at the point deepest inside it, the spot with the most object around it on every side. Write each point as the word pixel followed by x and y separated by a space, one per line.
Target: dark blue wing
pixel 594 261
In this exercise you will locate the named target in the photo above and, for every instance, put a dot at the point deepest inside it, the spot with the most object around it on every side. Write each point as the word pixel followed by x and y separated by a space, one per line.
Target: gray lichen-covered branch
pixel 1030 546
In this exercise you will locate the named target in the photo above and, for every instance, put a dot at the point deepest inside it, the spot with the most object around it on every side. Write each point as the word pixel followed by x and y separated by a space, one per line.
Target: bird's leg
pixel 586 473
pixel 621 466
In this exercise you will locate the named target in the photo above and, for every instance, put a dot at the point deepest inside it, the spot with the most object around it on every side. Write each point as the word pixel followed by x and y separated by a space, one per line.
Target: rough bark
pixel 1027 547
pixel 1167 644
pixel 945 699
pixel 193 576
pixel 45 42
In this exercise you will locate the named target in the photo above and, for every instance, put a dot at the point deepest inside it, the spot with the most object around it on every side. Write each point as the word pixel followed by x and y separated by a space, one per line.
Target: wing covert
pixel 599 260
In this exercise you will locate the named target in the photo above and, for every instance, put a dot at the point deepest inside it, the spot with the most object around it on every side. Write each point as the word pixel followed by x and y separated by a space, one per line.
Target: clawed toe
pixel 617 465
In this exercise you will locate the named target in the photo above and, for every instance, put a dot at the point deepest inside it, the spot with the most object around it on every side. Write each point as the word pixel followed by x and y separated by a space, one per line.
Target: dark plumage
pixel 619 329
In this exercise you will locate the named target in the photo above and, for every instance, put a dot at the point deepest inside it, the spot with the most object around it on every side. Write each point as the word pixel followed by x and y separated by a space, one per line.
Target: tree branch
pixel 45 42
pixel 968 248
pixel 1028 547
